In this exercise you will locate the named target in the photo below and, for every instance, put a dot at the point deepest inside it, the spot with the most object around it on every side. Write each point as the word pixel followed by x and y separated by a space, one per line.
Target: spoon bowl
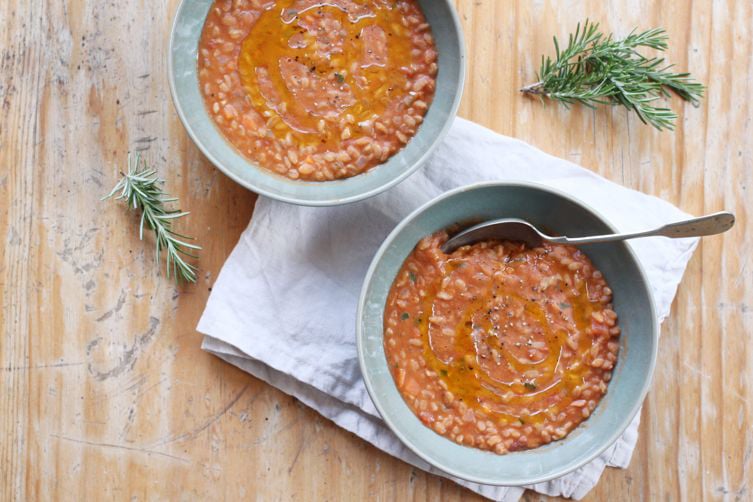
pixel 509 229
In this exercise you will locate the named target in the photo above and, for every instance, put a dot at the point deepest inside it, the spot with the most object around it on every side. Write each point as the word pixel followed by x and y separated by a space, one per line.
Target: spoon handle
pixel 695 227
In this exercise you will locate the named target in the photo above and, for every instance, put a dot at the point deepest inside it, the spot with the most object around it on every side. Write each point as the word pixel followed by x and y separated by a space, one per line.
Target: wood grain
pixel 104 392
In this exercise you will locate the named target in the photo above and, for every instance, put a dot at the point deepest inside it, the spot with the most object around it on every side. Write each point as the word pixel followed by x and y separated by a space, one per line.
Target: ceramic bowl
pixel 184 85
pixel 554 212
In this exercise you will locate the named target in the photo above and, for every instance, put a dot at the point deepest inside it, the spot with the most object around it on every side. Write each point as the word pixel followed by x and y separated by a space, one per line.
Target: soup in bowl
pixel 497 363
pixel 317 102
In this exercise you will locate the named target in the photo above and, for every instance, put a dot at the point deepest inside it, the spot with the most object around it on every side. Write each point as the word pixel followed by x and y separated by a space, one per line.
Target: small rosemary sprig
pixel 141 189
pixel 596 69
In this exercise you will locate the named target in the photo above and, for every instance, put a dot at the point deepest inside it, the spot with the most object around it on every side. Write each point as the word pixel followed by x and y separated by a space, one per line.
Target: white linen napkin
pixel 283 307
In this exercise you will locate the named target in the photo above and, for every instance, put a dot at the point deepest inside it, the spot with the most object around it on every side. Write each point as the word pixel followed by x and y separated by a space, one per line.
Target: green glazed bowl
pixel 550 211
pixel 184 86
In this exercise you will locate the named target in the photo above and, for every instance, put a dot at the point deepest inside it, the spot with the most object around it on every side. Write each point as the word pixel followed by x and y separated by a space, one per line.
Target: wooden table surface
pixel 104 392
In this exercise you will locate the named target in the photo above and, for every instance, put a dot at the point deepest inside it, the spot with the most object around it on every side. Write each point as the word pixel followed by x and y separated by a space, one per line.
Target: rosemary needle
pixel 142 190
pixel 596 69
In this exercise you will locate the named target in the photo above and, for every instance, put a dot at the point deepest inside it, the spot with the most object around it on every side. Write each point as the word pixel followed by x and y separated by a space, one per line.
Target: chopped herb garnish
pixel 405 316
pixel 530 385
pixel 411 276
pixel 340 77
pixel 565 306
pixel 443 373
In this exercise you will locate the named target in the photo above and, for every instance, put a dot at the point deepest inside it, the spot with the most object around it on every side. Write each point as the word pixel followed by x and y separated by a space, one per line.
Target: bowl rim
pixel 617 431
pixel 299 199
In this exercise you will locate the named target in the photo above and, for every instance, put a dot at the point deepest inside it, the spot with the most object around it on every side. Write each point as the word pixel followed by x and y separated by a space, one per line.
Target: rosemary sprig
pixel 141 189
pixel 594 69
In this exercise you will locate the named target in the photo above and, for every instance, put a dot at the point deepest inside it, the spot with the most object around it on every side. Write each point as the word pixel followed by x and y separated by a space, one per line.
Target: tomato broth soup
pixel 317 90
pixel 498 346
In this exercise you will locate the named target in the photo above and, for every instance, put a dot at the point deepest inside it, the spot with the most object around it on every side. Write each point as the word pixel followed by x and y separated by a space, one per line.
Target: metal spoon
pixel 513 229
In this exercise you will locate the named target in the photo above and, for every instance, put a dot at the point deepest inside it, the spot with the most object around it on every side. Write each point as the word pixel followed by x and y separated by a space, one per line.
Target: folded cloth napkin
pixel 283 307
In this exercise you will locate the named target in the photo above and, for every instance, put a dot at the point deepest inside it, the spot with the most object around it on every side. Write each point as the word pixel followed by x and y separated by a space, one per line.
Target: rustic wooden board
pixel 104 393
